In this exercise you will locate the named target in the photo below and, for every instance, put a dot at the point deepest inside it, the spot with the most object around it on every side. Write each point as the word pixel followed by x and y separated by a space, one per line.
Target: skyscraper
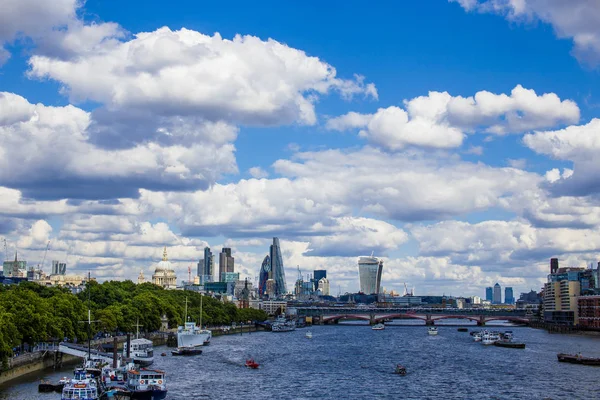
pixel 277 271
pixel 489 294
pixel 226 263
pixel 318 274
pixel 553 265
pixel 58 268
pixel 497 294
pixel 263 276
pixel 369 274
pixel 324 286
pixel 206 267
pixel 508 296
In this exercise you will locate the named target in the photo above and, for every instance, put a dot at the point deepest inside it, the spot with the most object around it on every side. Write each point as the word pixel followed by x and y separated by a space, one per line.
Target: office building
pixel 509 298
pixel 206 267
pixel 58 268
pixel 497 299
pixel 277 272
pixel 489 294
pixel 263 276
pixel 317 275
pixel 226 263
pixel 553 265
pixel 14 269
pixel 369 274
pixel 324 286
pixel 588 312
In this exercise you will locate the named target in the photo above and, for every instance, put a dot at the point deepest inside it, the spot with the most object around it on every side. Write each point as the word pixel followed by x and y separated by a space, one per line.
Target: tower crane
pixel 5 250
pixel 41 268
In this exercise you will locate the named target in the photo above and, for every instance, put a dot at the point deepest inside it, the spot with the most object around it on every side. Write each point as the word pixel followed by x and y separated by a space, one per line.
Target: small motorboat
pixel 308 335
pixel 186 351
pixel 163 354
pixel 463 329
pixel 378 327
pixel 250 363
pixel 432 330
pixel 400 370
pixel 509 344
pixel 45 387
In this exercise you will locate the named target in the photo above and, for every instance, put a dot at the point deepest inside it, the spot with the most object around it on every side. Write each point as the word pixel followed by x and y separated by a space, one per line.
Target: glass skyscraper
pixel 369 274
pixel 497 294
pixel 277 271
pixel 263 276
pixel 509 298
pixel 206 267
pixel 489 294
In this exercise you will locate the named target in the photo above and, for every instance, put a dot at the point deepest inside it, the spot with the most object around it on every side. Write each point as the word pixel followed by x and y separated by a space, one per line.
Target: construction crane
pixel 5 250
pixel 41 268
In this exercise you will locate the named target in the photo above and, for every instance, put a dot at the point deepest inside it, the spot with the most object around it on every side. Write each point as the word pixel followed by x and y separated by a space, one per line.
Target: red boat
pixel 250 363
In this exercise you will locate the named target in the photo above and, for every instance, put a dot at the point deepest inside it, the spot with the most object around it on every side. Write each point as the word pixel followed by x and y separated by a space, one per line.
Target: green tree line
pixel 30 313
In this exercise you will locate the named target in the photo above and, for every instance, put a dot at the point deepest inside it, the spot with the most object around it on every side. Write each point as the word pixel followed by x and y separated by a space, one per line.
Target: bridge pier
pixel 429 321
pixel 481 321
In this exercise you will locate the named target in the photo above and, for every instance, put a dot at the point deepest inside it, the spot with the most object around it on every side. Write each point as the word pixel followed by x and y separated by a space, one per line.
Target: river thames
pixel 355 362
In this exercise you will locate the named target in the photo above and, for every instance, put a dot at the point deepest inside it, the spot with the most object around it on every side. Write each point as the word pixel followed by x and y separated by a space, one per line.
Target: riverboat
pixel 147 384
pixel 432 330
pixel 378 327
pixel 489 338
pixel 80 387
pixel 578 359
pixel 282 325
pixel 141 351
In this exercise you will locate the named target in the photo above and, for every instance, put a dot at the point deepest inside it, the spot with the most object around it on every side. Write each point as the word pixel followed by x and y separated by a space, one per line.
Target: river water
pixel 355 362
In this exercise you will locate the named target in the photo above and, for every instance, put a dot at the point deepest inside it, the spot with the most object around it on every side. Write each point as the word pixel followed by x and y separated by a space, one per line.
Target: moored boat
pixel 578 359
pixel 141 351
pixel 187 351
pixel 283 325
pixel 147 384
pixel 378 327
pixel 80 387
pixel 511 345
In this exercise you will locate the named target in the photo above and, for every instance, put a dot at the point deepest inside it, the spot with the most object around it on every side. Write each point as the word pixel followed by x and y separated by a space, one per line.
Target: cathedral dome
pixel 165 264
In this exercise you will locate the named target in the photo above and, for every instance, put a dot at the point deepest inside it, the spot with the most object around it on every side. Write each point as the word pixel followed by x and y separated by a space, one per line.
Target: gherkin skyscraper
pixel 277 272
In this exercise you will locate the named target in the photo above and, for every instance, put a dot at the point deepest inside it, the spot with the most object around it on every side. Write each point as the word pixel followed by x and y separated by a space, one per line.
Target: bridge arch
pixel 520 320
pixel 475 318
pixel 334 318
pixel 380 318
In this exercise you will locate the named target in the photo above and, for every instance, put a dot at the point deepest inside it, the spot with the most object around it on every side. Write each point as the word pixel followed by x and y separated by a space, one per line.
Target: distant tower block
pixel 553 265
pixel 369 274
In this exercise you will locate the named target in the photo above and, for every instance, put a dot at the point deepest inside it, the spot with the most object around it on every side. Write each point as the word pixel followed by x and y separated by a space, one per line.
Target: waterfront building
pixel 277 270
pixel 497 299
pixel 369 274
pixel 489 294
pixel 226 263
pixel 324 286
pixel 588 311
pixel 509 298
pixel 476 300
pixel 271 307
pixel 263 276
pixel 206 267
pixel 58 268
pixel 164 275
pixel 14 269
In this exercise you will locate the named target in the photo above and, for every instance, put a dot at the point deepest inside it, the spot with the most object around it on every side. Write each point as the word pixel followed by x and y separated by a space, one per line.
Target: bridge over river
pixel 327 315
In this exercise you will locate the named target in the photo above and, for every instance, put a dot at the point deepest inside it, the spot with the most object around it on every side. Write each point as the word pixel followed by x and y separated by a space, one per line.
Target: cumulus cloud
pixel 57 160
pixel 244 80
pixel 577 143
pixel 440 120
pixel 578 20
pixel 258 172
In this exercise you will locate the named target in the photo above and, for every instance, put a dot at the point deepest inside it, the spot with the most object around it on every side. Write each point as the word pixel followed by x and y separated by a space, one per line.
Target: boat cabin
pixel 140 348
pixel 80 391
pixel 142 379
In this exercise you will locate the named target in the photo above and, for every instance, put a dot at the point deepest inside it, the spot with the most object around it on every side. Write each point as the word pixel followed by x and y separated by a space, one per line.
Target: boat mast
pixel 200 311
pixel 185 320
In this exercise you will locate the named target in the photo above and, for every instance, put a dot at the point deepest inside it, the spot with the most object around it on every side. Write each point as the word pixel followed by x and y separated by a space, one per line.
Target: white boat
pixel 308 335
pixel 147 384
pixel 489 338
pixel 432 330
pixel 189 335
pixel 378 327
pixel 477 337
pixel 81 387
pixel 283 325
pixel 141 352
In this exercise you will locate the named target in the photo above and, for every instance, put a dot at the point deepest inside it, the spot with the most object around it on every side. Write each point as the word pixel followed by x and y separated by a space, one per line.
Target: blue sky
pixel 116 144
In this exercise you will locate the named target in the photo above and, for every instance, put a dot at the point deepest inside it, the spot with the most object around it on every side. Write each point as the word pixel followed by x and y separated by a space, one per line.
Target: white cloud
pixel 244 80
pixel 578 20
pixel 579 144
pixel 50 144
pixel 258 172
pixel 440 120
pixel 32 18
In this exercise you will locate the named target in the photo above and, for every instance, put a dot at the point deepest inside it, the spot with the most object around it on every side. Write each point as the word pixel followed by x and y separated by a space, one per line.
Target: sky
pixel 454 139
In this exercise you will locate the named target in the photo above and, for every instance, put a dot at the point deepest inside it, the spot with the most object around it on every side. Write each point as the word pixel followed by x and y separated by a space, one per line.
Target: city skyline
pixel 461 160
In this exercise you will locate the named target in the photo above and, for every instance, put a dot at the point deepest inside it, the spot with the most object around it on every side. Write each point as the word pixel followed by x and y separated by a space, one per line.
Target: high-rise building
pixel 324 286
pixel 226 263
pixel 14 269
pixel 497 294
pixel 263 276
pixel 58 268
pixel 489 294
pixel 318 274
pixel 277 270
pixel 369 274
pixel 509 298
pixel 206 267
pixel 553 265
